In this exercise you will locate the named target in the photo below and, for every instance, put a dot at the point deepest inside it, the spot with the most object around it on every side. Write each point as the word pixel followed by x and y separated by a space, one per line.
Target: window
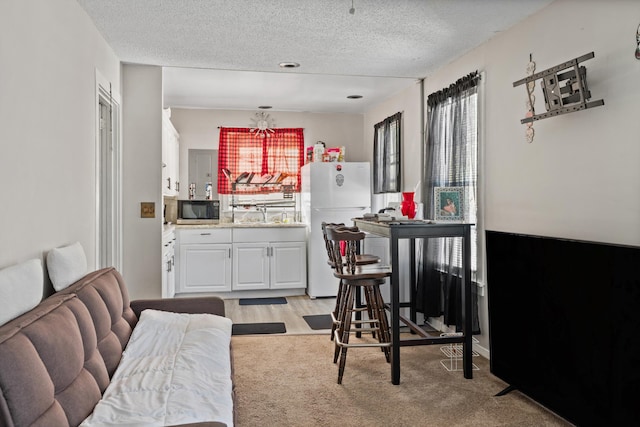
pixel 451 160
pixel 453 152
pixel 280 153
pixel 386 155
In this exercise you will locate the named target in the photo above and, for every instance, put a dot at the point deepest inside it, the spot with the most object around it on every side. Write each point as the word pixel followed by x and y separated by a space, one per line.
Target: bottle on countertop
pixel 318 151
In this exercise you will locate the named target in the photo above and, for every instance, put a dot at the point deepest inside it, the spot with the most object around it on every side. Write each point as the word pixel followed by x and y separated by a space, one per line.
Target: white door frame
pixel 110 211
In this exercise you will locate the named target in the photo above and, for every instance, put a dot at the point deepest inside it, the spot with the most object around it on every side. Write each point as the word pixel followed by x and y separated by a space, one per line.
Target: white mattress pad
pixel 176 369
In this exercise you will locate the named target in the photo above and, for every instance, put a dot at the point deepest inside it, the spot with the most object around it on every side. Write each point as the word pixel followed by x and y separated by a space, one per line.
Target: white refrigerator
pixel 331 192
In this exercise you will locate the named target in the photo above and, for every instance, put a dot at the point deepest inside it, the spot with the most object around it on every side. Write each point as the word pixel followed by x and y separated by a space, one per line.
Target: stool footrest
pixel 360 322
pixel 337 322
pixel 339 343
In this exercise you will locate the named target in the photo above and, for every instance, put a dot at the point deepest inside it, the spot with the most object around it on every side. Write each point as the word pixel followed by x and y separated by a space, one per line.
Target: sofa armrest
pixel 194 305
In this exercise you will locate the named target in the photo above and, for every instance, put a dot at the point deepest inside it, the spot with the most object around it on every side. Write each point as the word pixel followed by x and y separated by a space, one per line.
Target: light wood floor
pixel 290 313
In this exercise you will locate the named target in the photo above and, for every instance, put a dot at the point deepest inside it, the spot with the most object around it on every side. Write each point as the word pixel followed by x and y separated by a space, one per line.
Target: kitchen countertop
pixel 240 225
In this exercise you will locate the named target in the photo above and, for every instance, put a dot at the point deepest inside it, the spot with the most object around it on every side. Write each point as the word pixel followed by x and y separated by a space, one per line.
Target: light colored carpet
pixel 290 380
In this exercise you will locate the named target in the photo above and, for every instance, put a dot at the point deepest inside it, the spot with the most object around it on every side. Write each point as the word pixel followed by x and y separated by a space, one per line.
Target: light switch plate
pixel 147 210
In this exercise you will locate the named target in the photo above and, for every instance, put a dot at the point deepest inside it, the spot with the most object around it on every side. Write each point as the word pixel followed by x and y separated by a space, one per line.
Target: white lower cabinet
pixel 269 258
pixel 250 266
pixel 205 267
pixel 168 265
pixel 288 265
pixel 241 259
pixel 204 260
pixel 269 265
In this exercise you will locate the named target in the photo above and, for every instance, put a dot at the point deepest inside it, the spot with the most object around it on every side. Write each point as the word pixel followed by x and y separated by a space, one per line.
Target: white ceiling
pixel 225 53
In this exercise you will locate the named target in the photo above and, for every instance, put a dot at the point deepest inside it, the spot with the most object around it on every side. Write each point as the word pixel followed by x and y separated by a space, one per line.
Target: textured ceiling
pixel 400 39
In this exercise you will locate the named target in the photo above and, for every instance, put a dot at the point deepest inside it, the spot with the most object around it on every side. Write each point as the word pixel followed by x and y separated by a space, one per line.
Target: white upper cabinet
pixel 170 155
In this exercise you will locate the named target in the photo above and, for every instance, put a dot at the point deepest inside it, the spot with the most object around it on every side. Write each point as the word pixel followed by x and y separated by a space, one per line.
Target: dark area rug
pixel 258 328
pixel 318 321
pixel 262 301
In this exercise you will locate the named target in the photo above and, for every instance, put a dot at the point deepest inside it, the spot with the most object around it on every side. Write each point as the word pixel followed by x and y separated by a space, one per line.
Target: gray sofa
pixel 57 359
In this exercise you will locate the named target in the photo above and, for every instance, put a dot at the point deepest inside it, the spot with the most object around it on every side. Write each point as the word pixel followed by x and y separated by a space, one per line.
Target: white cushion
pixel 66 265
pixel 20 289
pixel 176 370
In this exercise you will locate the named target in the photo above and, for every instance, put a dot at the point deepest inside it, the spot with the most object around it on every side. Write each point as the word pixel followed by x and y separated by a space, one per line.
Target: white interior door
pixel 108 182
pixel 203 166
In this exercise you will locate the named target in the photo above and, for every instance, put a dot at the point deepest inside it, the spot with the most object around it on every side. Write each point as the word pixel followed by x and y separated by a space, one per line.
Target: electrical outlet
pixel 147 210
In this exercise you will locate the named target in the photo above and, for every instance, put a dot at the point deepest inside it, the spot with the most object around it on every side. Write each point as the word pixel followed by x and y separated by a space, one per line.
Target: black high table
pixel 419 229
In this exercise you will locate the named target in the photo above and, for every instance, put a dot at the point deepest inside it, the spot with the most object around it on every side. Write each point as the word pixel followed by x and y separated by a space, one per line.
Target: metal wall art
pixel 638 43
pixel 564 88
pixel 531 100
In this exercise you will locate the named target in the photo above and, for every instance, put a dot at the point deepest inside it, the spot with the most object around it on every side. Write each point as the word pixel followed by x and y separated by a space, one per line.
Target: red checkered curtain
pixel 272 157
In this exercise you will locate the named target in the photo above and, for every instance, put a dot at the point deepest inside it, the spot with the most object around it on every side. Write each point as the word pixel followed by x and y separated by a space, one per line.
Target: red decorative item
pixel 343 247
pixel 408 207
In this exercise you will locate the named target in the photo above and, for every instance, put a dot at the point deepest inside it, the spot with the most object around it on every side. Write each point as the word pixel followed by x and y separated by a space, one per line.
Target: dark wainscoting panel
pixel 564 324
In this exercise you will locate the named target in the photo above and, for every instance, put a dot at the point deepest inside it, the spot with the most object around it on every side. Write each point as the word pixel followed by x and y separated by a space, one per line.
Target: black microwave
pixel 198 211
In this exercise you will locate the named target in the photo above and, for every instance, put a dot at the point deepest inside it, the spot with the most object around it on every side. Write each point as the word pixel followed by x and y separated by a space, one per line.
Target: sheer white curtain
pixel 451 160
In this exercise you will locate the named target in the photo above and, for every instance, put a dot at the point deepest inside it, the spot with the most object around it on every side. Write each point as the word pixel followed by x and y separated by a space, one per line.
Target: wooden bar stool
pixel 355 278
pixel 361 259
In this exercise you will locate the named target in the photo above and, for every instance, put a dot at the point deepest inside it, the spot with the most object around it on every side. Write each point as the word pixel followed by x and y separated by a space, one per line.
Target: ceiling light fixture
pixel 352 11
pixel 289 65
pixel 354 96
pixel 262 124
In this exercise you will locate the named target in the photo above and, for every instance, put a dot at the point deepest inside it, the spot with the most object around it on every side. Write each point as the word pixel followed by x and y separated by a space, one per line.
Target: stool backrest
pixel 352 238
pixel 327 242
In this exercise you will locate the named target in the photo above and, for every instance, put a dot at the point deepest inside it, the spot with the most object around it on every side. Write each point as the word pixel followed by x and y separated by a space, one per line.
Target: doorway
pixel 203 170
pixel 108 182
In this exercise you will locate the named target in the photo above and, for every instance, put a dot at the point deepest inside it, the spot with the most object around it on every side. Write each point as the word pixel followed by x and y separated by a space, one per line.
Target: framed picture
pixel 449 203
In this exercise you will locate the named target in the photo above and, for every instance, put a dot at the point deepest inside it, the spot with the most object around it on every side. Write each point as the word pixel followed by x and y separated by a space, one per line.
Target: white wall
pixel 49 53
pixel 580 178
pixel 407 102
pixel 142 135
pixel 198 128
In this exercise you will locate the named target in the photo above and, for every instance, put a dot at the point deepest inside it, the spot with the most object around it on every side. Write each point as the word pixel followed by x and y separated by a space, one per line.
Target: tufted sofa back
pixel 57 359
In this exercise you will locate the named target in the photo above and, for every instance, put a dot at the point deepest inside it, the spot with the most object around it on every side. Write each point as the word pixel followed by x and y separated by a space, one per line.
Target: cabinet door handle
pixel 205 234
pixel 169 183
pixel 229 252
